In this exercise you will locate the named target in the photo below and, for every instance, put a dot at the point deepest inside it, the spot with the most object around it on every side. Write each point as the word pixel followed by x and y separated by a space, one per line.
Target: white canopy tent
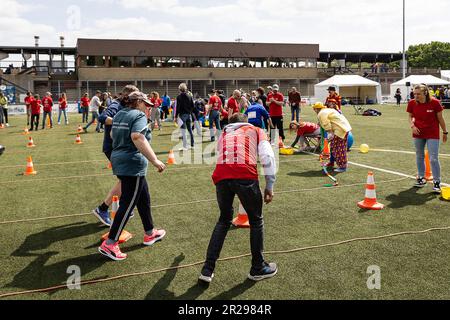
pixel 445 74
pixel 350 87
pixel 429 80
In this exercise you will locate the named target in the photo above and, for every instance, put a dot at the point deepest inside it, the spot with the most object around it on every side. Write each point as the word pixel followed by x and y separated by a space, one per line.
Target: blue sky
pixel 339 25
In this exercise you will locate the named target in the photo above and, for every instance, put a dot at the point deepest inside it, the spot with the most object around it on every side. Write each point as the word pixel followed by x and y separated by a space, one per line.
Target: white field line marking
pixel 203 201
pixel 405 152
pixel 384 170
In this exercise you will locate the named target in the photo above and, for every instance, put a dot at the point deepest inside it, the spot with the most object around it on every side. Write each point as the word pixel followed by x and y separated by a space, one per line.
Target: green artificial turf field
pixel 73 179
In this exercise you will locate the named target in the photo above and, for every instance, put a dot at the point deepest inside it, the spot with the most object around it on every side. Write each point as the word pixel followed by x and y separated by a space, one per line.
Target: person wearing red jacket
pixel 47 102
pixel 236 173
pixel 304 129
pixel 35 105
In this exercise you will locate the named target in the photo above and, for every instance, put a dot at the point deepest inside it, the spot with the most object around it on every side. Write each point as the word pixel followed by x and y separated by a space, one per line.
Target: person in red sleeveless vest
pixel 236 173
pixel 335 98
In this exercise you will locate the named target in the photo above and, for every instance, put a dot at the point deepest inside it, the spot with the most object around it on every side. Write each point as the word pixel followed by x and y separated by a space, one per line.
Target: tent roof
pixel 427 79
pixel 445 73
pixel 348 81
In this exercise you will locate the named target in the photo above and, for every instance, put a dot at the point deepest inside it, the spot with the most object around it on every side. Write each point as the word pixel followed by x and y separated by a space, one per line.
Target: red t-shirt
pixel 35 106
pixel 238 153
pixel 425 118
pixel 85 101
pixel 47 102
pixel 224 114
pixel 233 105
pixel 309 128
pixel 156 102
pixel 28 100
pixel 62 103
pixel 274 109
pixel 215 103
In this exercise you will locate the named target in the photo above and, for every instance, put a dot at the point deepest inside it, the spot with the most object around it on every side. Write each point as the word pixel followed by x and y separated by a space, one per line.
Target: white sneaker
pixel 59 123
pixel 183 149
pixel 7 124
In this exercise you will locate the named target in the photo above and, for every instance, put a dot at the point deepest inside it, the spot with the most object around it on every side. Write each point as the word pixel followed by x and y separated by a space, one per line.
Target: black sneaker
pixel 437 187
pixel 420 182
pixel 268 271
pixel 206 276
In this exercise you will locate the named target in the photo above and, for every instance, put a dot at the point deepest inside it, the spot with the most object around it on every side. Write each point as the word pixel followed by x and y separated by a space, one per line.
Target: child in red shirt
pixel 85 101
pixel 35 106
pixel 304 129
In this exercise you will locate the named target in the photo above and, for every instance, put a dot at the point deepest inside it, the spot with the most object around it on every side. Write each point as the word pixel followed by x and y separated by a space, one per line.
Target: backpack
pixel 372 113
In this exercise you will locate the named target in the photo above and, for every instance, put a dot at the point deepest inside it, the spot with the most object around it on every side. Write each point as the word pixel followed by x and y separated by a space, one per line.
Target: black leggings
pixel 134 194
pixel 35 121
pixel 5 114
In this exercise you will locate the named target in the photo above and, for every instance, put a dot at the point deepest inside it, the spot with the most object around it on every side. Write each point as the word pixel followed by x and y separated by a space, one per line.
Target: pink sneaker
pixel 155 237
pixel 112 251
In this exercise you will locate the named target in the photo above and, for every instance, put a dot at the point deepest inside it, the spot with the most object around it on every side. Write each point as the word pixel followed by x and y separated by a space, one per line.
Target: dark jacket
pixel 185 104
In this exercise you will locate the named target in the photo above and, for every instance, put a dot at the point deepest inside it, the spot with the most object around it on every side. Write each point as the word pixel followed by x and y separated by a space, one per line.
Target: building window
pixel 121 62
pixel 144 62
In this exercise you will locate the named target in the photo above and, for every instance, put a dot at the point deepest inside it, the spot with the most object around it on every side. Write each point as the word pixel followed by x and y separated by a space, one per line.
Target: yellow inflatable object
pixel 364 148
pixel 287 151
pixel 446 193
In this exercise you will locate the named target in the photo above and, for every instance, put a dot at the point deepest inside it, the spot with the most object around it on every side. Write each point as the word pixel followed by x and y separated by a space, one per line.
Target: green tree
pixel 429 55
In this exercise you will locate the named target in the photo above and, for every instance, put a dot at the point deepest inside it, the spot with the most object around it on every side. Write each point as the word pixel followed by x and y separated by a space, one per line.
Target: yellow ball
pixel 364 148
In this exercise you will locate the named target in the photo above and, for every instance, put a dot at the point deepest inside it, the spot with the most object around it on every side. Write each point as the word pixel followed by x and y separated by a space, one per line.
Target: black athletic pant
pixel 278 123
pixel 5 114
pixel 251 199
pixel 134 194
pixel 35 121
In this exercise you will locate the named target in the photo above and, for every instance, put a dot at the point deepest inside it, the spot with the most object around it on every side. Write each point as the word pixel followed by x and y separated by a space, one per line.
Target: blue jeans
pixel 61 111
pixel 187 123
pixel 295 111
pixel 433 150
pixel 94 116
pixel 214 117
pixel 45 118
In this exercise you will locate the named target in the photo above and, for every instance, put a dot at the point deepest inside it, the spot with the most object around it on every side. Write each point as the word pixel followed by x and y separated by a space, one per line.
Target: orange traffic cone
pixel 2 126
pixel 370 200
pixel 80 129
pixel 25 131
pixel 428 174
pixel 109 166
pixel 125 235
pixel 171 158
pixel 241 221
pixel 30 168
pixel 30 143
pixel 48 123
pixel 78 140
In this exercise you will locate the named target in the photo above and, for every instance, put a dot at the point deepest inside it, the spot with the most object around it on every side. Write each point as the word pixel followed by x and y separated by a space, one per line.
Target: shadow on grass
pixel 409 197
pixel 307 174
pixel 39 274
pixel 235 291
pixel 160 292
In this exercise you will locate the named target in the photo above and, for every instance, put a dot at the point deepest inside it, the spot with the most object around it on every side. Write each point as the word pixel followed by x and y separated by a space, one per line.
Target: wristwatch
pixel 446 133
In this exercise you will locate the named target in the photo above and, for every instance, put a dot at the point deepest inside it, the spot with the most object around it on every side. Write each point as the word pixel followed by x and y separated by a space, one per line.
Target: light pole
pixel 404 41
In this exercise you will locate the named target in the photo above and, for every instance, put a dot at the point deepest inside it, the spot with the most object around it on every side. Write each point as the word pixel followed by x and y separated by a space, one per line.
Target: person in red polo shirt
pixel 275 101
pixel 35 106
pixel 85 102
pixel 425 116
pixel 47 102
pixel 239 148
pixel 62 108
pixel 28 100
pixel 214 107
pixel 304 129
